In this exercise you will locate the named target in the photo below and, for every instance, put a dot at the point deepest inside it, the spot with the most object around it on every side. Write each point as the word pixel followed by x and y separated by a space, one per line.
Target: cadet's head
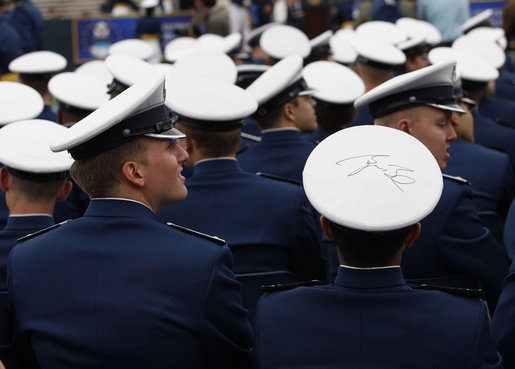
pixel 210 112
pixel 464 123
pixel 126 71
pixel 19 102
pixel 372 185
pixel 336 88
pixel 32 174
pixel 280 41
pixel 36 68
pixel 377 58
pixel 419 103
pixel 284 98
pixel 77 96
pixel 125 148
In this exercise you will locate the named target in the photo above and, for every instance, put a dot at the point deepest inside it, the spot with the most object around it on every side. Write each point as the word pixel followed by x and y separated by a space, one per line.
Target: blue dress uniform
pixel 182 309
pixel 498 110
pixel 319 135
pixel 16 227
pixel 362 117
pixel 489 172
pixel 10 45
pixel 454 248
pixel 372 319
pixel 503 321
pixel 491 134
pixel 279 232
pixel 48 114
pixel 505 85
pixel 281 152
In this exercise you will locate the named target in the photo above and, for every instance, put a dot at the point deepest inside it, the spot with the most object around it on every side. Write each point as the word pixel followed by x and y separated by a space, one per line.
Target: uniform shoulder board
pixel 38 233
pixel 250 137
pixel 215 239
pixel 456 179
pixel 289 286
pixel 467 292
pixel 278 178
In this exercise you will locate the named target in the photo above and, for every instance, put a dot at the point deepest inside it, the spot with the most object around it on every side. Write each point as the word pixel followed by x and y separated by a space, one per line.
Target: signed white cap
pixel 372 178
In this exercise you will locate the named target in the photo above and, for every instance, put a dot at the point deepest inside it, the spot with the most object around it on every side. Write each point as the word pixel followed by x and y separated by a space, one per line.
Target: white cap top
pixel 433 86
pixel 134 47
pixel 468 66
pixel 341 46
pixel 137 111
pixel 476 20
pixel 38 62
pixel 412 42
pixel 334 83
pixel 276 79
pixel 281 41
pixel 492 34
pixel 127 69
pixel 210 41
pixel 321 40
pixel 78 91
pixel 419 28
pixel 24 146
pixel 19 102
pixel 146 4
pixel 206 64
pixel 96 69
pixel 486 50
pixel 180 46
pixel 254 35
pixel 201 102
pixel 372 178
pixel 374 50
pixel 385 31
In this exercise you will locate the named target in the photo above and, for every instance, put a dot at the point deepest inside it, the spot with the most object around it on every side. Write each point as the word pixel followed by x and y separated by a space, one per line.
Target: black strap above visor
pixel 36 76
pixel 441 95
pixel 125 131
pixel 213 126
pixel 38 177
pixel 74 110
pixel 363 60
pixel 468 85
pixel 281 98
pixel 116 86
pixel 420 49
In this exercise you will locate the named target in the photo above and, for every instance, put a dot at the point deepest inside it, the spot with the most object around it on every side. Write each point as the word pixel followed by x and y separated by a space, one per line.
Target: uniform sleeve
pixel 508 188
pixel 471 248
pixel 503 322
pixel 485 355
pixel 226 332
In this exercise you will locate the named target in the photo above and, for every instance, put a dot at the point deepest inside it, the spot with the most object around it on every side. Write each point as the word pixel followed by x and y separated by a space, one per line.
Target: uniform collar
pixel 280 133
pixel 216 165
pixel 370 278
pixel 29 221
pixel 116 207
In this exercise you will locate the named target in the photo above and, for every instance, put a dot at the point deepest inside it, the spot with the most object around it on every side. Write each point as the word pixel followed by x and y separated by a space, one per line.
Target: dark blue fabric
pixel 16 227
pixel 73 207
pixel 498 109
pixel 27 19
pixel 116 289
pixel 381 11
pixel 503 321
pixel 453 243
pixel 10 45
pixel 372 319
pixel 492 134
pixel 282 153
pixel 4 211
pixel 505 86
pixel 48 114
pixel 489 172
pixel 268 224
pixel 319 135
pixel 363 117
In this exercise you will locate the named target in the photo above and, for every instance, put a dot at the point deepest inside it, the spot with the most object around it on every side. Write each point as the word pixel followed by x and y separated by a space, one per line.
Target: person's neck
pixel 24 208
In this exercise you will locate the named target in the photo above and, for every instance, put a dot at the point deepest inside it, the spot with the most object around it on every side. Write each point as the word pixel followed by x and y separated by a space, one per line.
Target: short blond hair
pixel 101 175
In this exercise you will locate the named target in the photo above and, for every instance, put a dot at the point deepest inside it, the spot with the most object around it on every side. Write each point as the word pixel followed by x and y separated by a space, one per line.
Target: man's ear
pixel 326 227
pixel 133 172
pixel 288 111
pixel 404 125
pixel 64 191
pixel 4 179
pixel 413 234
